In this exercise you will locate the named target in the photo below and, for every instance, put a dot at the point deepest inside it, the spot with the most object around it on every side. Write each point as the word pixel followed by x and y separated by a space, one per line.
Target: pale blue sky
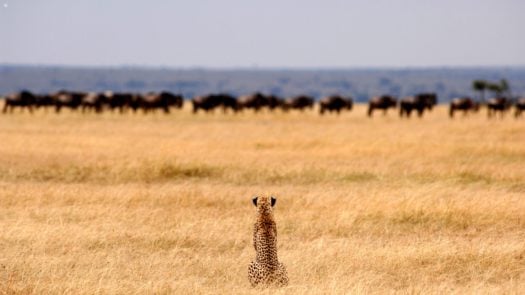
pixel 269 33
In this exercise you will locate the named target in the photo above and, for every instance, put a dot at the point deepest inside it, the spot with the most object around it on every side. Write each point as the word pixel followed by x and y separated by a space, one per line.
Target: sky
pixel 263 34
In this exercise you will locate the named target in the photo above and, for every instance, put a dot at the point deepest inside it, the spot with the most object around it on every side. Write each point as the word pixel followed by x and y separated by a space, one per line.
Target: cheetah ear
pixel 274 200
pixel 254 200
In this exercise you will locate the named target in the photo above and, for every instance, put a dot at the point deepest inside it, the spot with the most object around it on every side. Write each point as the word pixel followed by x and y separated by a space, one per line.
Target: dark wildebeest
pixel 275 102
pixel 211 101
pixel 520 107
pixel 420 103
pixel 300 102
pixel 465 104
pixel 430 98
pixel 255 101
pixel 119 100
pixel 229 102
pixel 44 101
pixel 153 101
pixel 24 99
pixel 173 100
pixel 497 104
pixel 383 102
pixel 67 99
pixel 93 101
pixel 135 102
pixel 205 103
pixel 335 103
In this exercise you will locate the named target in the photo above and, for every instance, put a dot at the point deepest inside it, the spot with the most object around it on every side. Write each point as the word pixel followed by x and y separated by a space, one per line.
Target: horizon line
pixel 258 68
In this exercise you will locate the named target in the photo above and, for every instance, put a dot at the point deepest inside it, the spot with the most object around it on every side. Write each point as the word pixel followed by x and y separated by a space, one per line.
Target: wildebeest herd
pixel 494 106
pixel 92 101
pixel 256 101
pixel 122 102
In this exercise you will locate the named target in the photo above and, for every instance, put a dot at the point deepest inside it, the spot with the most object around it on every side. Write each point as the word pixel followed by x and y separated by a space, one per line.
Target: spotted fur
pixel 266 270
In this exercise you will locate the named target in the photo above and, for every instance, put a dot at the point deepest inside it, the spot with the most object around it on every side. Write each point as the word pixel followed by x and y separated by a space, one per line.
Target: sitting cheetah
pixel 266 269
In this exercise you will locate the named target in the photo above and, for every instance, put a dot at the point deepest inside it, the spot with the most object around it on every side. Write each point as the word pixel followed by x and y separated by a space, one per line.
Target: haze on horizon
pixel 272 33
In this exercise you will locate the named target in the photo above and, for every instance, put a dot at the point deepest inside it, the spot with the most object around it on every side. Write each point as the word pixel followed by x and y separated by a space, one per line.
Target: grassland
pixel 135 204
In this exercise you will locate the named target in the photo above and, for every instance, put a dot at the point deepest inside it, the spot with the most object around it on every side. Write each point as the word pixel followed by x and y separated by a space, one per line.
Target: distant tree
pixel 495 87
pixel 498 88
pixel 505 87
pixel 480 86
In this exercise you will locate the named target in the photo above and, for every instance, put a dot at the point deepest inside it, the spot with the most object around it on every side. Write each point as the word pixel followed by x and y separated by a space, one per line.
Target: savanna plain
pixel 142 204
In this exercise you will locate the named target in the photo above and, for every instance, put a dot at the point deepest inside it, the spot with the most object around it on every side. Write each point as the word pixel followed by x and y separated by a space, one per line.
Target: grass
pixel 134 204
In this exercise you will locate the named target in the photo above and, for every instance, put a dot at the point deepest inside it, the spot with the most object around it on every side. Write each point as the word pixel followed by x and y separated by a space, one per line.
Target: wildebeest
pixel 119 100
pixel 205 103
pixel 419 102
pixel 229 102
pixel 68 99
pixel 497 104
pixel 44 101
pixel 211 101
pixel 152 101
pixel 93 101
pixel 255 101
pixel 24 99
pixel 430 98
pixel 335 103
pixel 383 102
pixel 520 107
pixel 465 104
pixel 275 102
pixel 299 102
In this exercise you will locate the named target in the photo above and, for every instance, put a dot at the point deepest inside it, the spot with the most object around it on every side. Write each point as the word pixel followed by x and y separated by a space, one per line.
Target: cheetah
pixel 266 270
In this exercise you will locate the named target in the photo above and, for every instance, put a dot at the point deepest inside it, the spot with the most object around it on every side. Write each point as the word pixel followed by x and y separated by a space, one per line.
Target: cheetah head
pixel 264 204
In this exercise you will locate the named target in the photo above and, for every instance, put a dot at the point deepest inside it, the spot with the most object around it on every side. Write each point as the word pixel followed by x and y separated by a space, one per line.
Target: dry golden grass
pixel 135 204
